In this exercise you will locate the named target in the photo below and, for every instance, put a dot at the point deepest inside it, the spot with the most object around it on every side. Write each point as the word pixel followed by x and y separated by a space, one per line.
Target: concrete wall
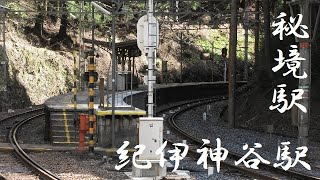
pixel 182 92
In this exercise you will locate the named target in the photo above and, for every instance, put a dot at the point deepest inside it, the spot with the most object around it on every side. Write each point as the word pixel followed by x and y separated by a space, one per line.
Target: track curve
pixel 22 155
pixel 199 142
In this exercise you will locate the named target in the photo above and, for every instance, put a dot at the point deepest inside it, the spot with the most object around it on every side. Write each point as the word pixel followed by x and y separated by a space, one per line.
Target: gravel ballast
pixel 75 165
pixel 234 139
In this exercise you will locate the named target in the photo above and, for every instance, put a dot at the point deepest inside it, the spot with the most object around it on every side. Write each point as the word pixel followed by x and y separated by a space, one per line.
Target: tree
pixel 38 26
pixel 64 21
pixel 62 38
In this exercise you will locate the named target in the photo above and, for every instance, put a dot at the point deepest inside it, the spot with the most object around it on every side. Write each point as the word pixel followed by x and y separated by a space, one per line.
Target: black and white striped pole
pixel 91 69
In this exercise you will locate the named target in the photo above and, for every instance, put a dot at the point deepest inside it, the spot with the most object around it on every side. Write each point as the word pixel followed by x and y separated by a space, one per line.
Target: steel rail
pixel 195 154
pixel 22 113
pixel 22 155
pixel 174 125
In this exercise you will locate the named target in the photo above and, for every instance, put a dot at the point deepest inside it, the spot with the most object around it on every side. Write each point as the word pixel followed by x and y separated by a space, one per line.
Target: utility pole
pixel 305 84
pixel 231 64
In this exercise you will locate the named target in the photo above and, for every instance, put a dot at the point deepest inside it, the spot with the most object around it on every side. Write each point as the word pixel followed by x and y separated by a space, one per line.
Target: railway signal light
pixel 224 52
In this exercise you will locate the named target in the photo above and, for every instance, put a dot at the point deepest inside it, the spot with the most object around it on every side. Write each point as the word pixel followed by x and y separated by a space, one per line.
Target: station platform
pixel 61 119
pixel 65 101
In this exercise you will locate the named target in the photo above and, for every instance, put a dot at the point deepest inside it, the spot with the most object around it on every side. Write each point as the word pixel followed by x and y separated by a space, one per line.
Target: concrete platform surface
pixel 65 101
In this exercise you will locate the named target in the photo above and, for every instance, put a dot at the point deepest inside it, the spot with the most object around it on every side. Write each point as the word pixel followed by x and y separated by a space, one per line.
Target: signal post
pixel 150 128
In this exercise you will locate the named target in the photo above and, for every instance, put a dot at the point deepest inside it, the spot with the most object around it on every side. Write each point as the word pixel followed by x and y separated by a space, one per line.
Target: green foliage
pixel 195 5
pixel 99 18
pixel 14 6
pixel 219 39
pixel 140 5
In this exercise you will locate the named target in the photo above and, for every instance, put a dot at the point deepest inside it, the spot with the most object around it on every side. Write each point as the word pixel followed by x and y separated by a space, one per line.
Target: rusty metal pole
pixel 231 64
pixel 257 34
pixel 305 84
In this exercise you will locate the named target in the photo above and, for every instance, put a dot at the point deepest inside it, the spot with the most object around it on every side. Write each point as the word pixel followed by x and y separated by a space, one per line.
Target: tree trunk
pixel 62 38
pixel 38 26
pixel 257 35
pixel 64 21
pixel 265 74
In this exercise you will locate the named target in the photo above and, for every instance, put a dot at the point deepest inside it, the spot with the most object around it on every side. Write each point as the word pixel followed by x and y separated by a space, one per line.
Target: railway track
pixel 22 155
pixel 8 122
pixel 10 166
pixel 265 171
pixel 30 168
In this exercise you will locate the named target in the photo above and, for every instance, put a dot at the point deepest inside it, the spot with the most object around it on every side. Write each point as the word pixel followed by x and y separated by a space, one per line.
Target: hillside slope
pixel 35 74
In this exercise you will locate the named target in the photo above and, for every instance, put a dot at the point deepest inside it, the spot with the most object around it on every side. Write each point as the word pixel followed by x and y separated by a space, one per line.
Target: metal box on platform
pixel 126 119
pixel 150 135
